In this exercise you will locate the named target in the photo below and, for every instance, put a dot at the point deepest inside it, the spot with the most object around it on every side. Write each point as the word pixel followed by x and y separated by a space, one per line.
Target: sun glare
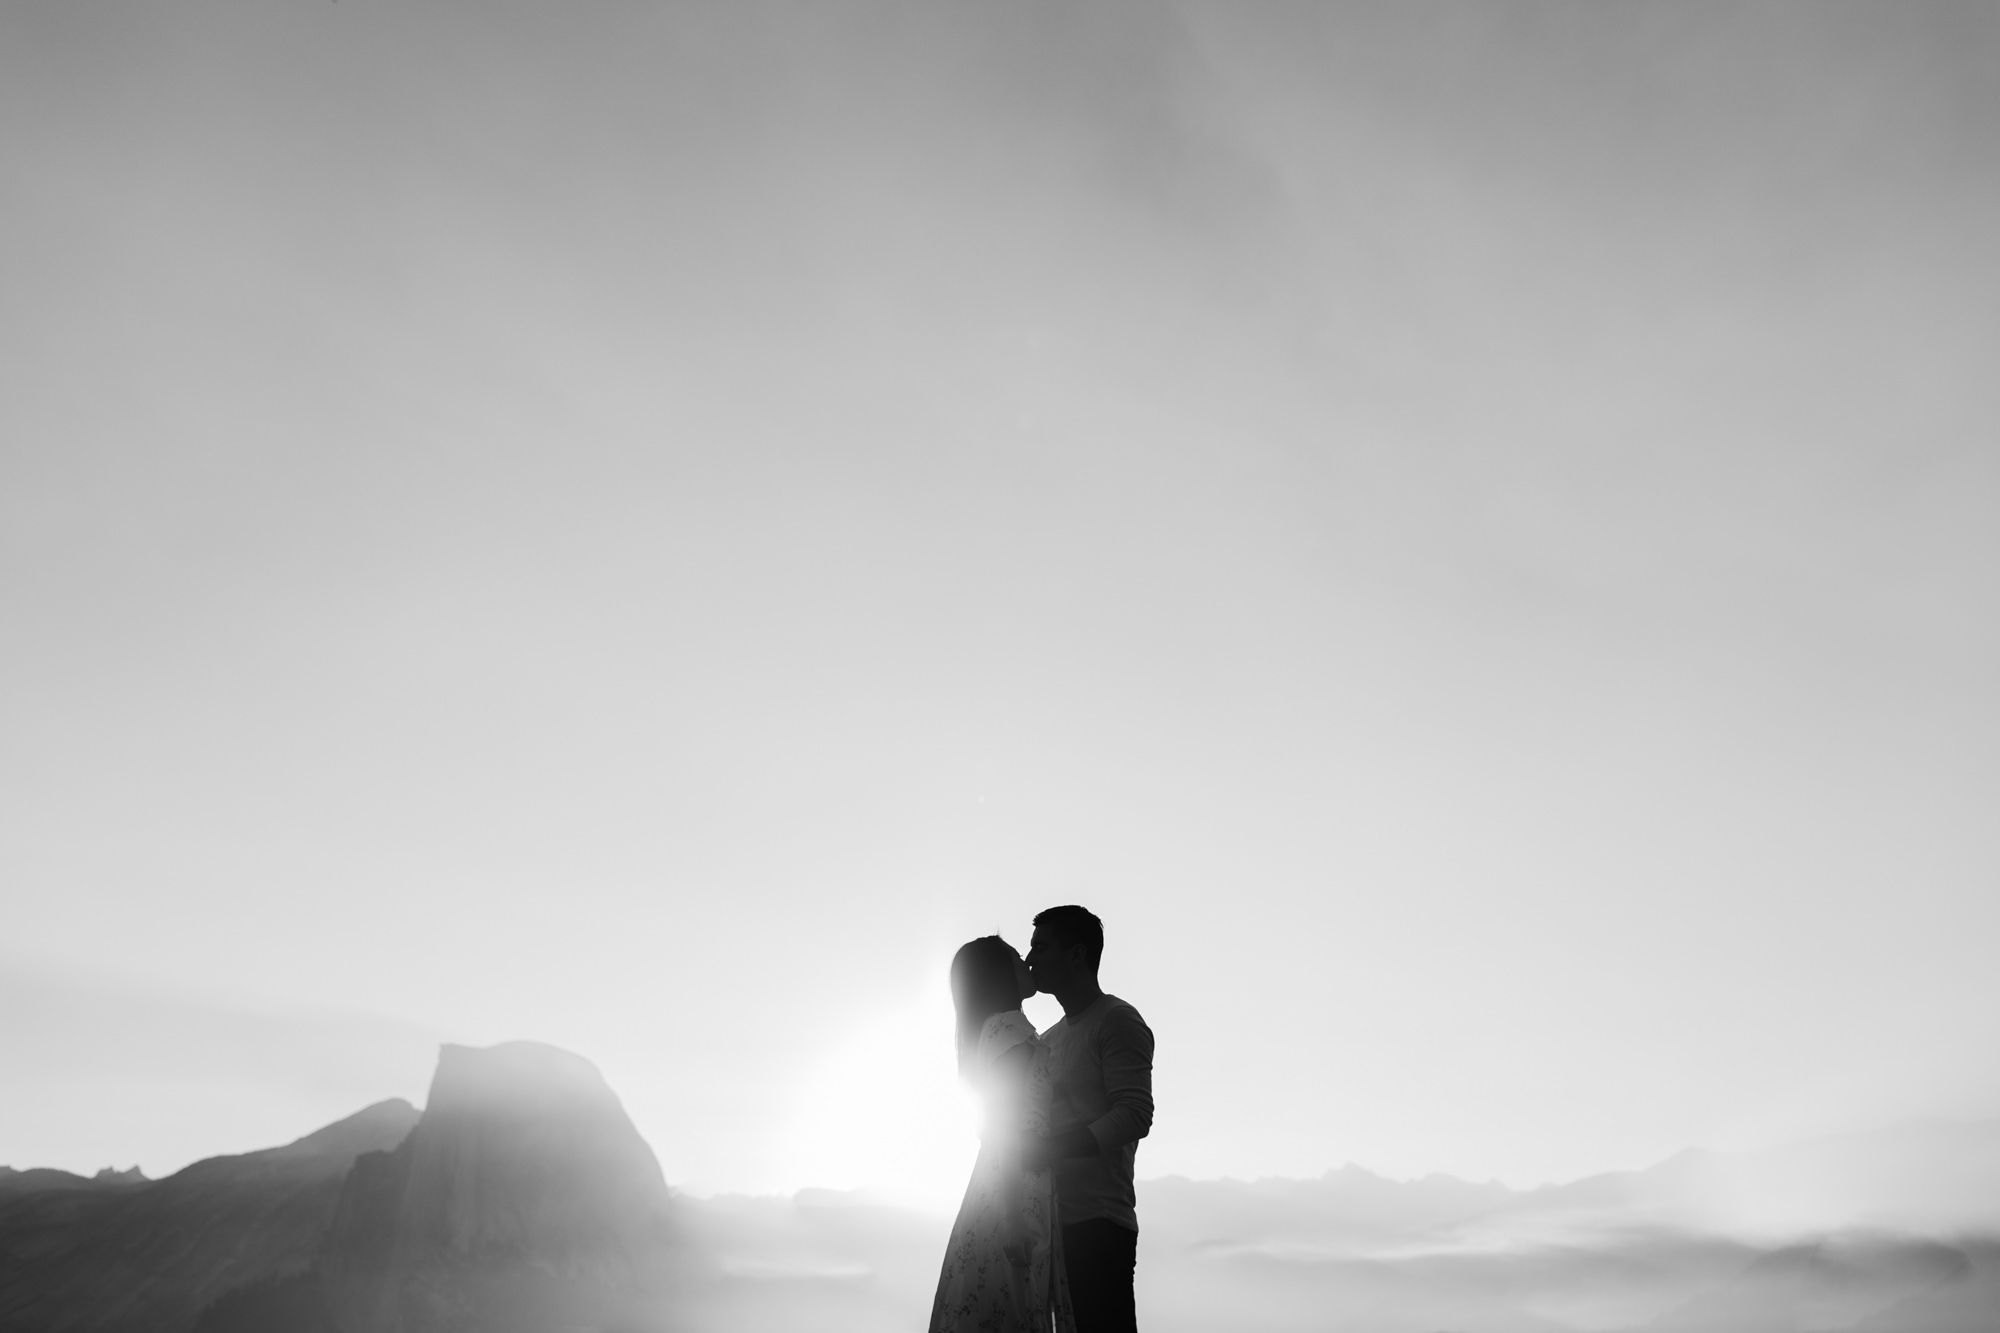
pixel 883 1110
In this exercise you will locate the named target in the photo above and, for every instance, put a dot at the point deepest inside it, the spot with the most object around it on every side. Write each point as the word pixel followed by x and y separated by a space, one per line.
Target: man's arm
pixel 1125 1055
pixel 1125 1059
pixel 1079 1142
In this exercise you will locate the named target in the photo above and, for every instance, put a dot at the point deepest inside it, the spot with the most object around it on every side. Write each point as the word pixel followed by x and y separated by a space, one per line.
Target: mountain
pixel 1924 1178
pixel 1930 1177
pixel 1345 1210
pixel 1351 1250
pixel 521 1199
pixel 524 1199
pixel 1966 1302
pixel 1881 1232
pixel 1829 1283
pixel 36 1179
pixel 114 1256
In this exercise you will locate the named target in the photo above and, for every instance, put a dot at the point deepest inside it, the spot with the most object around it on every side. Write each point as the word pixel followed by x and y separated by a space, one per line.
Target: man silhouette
pixel 1101 1064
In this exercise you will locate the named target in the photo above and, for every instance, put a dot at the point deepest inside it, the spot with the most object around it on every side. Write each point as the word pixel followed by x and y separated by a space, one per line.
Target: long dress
pixel 980 1289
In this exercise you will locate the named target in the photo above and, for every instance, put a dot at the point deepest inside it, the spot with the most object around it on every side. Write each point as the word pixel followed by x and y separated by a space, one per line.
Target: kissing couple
pixel 1047 1238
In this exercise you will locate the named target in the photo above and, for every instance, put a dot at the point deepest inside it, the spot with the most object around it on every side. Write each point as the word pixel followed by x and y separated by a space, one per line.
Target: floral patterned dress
pixel 981 1289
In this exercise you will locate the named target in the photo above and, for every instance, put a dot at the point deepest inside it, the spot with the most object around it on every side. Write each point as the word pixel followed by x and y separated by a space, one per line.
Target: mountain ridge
pixel 522 1198
pixel 148 1256
pixel 37 1178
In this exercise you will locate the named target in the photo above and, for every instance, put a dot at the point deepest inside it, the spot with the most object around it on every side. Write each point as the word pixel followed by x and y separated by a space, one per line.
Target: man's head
pixel 1066 948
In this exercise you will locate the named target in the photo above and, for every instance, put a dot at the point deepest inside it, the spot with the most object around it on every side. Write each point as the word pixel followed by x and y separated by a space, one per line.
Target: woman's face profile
pixel 1023 977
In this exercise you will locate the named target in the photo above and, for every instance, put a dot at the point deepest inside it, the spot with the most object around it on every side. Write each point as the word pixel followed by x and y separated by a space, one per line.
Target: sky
pixel 1468 534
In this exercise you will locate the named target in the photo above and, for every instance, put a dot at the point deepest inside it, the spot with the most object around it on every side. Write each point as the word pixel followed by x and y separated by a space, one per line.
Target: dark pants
pixel 1100 1256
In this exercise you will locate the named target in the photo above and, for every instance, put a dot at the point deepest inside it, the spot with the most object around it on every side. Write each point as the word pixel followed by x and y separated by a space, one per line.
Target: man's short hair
pixel 1074 925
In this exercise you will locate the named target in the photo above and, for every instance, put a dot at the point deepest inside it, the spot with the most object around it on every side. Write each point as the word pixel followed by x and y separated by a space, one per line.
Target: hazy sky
pixel 1470 535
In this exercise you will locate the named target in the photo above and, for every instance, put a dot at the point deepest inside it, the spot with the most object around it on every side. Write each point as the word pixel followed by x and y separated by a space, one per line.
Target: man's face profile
pixel 1050 960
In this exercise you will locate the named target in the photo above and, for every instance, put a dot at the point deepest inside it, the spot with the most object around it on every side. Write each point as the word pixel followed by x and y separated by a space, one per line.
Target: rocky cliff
pixel 525 1199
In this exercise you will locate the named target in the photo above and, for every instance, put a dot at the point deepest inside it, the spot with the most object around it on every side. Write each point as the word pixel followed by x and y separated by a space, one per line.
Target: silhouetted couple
pixel 1048 1237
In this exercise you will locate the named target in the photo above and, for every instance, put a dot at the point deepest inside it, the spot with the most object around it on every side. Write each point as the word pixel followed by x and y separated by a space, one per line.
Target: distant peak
pixel 131 1175
pixel 518 1074
pixel 374 1128
pixel 527 1057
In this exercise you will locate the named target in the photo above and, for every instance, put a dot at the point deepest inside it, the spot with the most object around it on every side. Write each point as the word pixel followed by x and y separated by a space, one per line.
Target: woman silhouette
pixel 1003 1264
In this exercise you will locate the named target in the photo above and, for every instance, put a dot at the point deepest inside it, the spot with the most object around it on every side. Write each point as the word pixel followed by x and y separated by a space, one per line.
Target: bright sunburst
pixel 883 1110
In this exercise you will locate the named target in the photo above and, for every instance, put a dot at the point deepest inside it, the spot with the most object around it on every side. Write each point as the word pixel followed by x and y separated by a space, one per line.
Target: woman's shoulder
pixel 1002 1032
pixel 1011 1023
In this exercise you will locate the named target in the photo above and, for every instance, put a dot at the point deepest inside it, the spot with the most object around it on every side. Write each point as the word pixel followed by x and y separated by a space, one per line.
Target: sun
pixel 882 1109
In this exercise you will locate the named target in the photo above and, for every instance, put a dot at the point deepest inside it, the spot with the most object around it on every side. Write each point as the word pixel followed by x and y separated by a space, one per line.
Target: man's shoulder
pixel 1119 1013
pixel 1114 1004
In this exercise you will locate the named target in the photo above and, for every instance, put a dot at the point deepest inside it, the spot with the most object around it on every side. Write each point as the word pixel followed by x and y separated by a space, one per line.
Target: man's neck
pixel 1075 1001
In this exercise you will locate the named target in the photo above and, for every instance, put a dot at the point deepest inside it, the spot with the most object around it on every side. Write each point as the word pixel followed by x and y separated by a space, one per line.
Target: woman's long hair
pixel 983 983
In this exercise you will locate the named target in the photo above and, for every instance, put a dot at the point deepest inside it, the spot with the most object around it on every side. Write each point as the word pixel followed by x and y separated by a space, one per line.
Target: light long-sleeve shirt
pixel 1101 1063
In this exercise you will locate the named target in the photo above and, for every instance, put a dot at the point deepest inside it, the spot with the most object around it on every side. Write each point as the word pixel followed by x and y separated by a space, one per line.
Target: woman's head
pixel 987 978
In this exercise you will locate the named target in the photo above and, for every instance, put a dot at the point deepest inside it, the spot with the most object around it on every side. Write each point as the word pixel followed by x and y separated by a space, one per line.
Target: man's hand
pixel 1037 1153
